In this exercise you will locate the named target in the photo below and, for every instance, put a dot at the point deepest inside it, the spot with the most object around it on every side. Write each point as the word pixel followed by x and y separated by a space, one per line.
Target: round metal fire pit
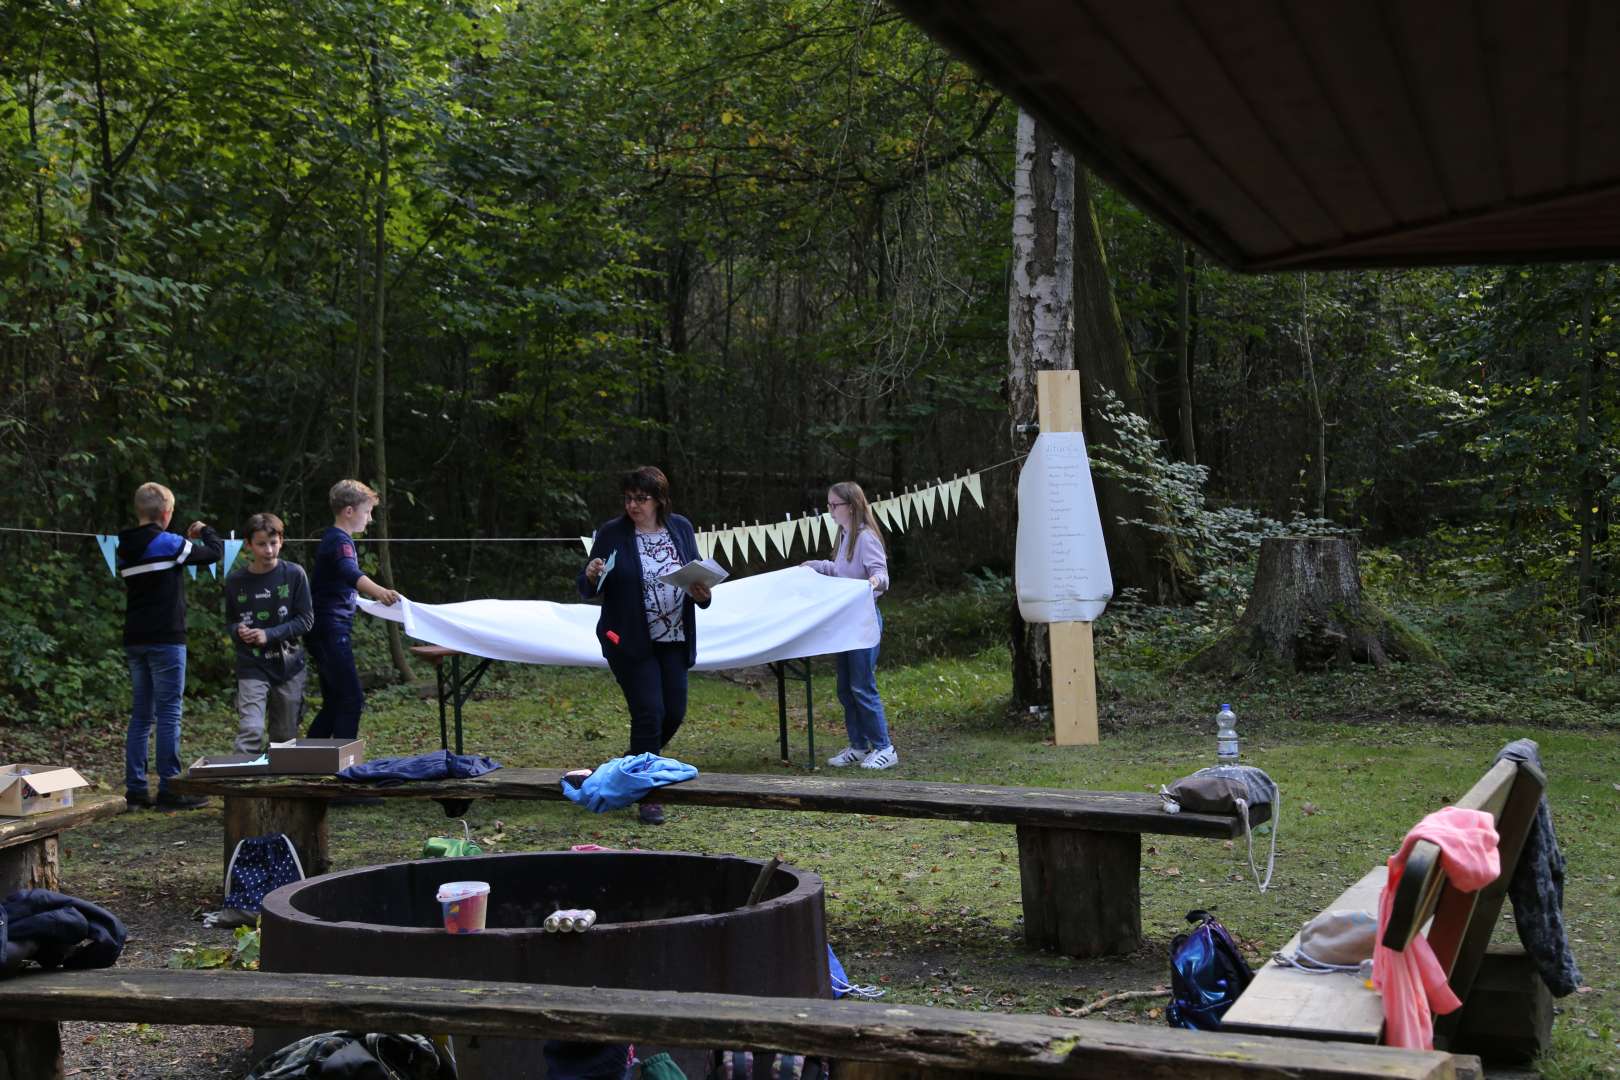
pixel 665 921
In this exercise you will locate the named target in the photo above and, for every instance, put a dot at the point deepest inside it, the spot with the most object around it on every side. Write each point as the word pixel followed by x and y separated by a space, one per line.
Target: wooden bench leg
pixel 30 1050
pixel 1082 894
pixel 303 820
pixel 34 865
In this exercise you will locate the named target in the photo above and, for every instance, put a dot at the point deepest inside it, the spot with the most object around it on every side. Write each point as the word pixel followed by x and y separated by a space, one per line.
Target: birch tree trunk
pixel 1040 336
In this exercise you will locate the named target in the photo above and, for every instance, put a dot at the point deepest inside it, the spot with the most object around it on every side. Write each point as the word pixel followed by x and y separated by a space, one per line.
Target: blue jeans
pixel 655 689
pixel 858 693
pixel 342 697
pixel 158 673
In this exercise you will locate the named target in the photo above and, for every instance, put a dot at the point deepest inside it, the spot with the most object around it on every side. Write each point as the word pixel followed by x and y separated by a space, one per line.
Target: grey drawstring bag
pixel 1229 789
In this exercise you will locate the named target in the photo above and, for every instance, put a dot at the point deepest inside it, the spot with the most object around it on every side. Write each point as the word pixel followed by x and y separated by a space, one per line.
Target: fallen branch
pixel 1123 995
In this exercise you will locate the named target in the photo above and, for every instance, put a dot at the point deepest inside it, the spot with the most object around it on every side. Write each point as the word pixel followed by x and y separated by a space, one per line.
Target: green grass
pixel 930 910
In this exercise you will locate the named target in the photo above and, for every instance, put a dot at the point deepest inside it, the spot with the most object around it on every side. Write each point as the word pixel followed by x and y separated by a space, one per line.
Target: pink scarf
pixel 1412 981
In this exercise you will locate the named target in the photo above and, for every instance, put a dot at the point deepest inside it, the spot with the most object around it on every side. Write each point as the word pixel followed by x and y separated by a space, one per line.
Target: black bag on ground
pixel 1207 973
pixel 351 1055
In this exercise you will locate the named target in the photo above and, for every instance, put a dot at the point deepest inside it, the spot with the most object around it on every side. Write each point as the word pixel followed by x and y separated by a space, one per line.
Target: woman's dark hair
pixel 649 480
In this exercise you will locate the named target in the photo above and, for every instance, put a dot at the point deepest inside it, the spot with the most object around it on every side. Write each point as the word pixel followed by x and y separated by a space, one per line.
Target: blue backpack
pixel 258 865
pixel 1207 973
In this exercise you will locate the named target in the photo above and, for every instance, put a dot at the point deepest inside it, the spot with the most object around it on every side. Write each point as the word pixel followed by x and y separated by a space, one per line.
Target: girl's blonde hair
pixel 860 515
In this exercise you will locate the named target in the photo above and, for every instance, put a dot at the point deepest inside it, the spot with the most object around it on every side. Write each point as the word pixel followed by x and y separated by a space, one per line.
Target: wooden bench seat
pixel 1458 925
pixel 1079 852
pixel 30 847
pixel 903 1040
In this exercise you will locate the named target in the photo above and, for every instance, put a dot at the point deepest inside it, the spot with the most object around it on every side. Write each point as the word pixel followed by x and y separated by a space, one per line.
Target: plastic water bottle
pixel 1226 736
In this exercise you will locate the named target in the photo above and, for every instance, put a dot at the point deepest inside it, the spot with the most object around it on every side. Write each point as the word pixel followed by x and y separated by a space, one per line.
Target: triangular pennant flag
pixel 829 526
pixel 109 551
pixel 782 536
pixel 955 489
pixel 756 535
pixel 725 538
pixel 808 535
pixel 233 548
pixel 926 498
pixel 943 488
pixel 890 511
pixel 192 570
pixel 974 489
pixel 585 542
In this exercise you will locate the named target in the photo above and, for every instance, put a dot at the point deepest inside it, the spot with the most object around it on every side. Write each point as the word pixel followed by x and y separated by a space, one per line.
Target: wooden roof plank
pixel 1596 147
pixel 1190 79
pixel 1528 45
pixel 1265 62
pixel 1362 77
pixel 1452 97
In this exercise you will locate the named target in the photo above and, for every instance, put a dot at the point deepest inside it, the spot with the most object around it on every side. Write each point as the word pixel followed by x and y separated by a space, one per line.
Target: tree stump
pixel 1306 613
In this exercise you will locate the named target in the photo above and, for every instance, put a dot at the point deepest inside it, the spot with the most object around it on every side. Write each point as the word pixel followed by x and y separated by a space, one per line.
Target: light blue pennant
pixel 109 551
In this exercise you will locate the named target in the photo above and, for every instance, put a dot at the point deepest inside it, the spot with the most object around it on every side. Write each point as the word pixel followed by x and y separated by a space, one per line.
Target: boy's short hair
pixel 151 500
pixel 349 493
pixel 265 523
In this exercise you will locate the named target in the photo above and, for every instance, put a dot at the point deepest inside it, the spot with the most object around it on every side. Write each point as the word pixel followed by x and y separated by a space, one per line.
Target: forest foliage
pixel 246 249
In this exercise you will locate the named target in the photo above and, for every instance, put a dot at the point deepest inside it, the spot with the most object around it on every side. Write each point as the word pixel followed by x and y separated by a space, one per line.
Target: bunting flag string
pixel 812 533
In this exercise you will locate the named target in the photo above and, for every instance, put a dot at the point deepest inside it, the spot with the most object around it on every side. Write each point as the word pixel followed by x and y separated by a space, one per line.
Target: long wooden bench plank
pixel 935 1039
pixel 1059 808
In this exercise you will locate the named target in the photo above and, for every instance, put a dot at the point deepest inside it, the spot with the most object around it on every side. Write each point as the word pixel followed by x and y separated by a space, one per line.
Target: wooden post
pixel 30 1050
pixel 1081 890
pixel 1074 669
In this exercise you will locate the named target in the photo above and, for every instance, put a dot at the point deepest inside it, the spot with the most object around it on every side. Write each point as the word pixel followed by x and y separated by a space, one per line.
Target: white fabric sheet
pixel 782 615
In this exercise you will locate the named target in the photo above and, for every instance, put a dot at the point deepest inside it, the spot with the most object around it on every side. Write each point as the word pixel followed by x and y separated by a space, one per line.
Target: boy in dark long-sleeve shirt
pixel 267 611
pixel 152 562
pixel 335 577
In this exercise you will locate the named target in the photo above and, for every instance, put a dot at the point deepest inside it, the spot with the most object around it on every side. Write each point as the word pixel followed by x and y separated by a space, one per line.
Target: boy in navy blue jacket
pixel 152 562
pixel 334 579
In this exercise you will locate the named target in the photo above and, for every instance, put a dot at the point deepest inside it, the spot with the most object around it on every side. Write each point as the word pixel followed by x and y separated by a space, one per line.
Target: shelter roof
pixel 1318 134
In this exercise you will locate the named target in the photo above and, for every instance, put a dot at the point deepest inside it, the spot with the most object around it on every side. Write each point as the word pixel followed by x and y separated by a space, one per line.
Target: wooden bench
pixel 1079 852
pixel 30 847
pixel 1287 1001
pixel 900 1041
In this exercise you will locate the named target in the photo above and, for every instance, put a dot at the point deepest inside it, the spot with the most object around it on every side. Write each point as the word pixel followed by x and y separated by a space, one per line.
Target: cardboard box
pixel 229 765
pixel 326 756
pixel 27 788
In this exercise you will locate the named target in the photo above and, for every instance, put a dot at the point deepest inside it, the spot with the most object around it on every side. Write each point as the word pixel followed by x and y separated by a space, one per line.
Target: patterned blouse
pixel 662 602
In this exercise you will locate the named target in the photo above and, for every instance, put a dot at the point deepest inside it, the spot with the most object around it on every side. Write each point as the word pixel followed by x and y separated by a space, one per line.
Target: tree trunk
pixel 1140 557
pixel 1187 323
pixel 396 644
pixel 1040 336
pixel 1306 613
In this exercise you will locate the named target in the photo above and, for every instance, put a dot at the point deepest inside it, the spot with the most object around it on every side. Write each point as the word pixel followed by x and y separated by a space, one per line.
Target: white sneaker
pixel 885 758
pixel 847 756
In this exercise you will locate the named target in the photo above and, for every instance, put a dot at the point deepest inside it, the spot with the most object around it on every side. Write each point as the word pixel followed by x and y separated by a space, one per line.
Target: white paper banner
pixel 1061 566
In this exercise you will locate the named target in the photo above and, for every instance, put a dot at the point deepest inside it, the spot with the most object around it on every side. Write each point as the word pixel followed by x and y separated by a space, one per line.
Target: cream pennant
pixel 955 489
pixel 706 544
pixel 809 535
pixel 881 510
pixel 782 537
pixel 944 489
pixel 586 540
pixel 829 526
pixel 926 498
pixel 898 513
pixel 975 490
pixel 724 537
pixel 756 534
pixel 913 511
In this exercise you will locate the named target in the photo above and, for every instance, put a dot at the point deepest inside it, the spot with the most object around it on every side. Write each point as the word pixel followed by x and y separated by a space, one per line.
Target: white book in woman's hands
pixel 698 572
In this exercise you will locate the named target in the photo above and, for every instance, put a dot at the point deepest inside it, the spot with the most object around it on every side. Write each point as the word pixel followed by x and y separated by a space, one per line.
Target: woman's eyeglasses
pixel 835 505
pixel 638 498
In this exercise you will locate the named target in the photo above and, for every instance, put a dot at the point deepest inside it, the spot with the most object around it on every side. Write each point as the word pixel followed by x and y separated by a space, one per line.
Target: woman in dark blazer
pixel 648 630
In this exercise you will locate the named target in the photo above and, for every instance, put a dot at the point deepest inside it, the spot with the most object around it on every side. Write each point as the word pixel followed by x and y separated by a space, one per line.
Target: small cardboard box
pixel 26 788
pixel 316 755
pixel 230 765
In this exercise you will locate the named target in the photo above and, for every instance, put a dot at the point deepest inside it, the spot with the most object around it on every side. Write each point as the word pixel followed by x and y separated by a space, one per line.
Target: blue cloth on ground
pixel 625 780
pixel 438 765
